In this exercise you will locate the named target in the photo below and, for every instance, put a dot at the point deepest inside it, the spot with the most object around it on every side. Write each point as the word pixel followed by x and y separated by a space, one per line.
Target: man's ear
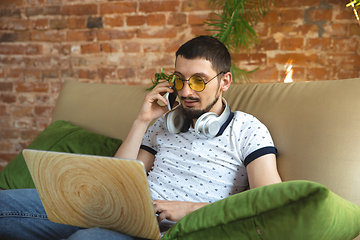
pixel 226 81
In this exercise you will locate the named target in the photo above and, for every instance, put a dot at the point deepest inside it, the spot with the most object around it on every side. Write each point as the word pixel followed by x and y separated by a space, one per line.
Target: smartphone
pixel 170 97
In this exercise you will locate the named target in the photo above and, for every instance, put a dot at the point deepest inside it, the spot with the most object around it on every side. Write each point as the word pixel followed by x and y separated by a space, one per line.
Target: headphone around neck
pixel 207 125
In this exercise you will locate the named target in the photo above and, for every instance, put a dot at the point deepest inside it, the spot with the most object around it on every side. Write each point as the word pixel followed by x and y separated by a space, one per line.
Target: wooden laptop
pixel 92 191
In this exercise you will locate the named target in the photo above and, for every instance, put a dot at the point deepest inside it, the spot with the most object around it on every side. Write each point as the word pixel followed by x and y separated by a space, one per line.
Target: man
pixel 197 165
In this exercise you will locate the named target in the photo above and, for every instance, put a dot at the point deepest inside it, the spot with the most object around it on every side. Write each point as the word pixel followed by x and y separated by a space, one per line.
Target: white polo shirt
pixel 189 168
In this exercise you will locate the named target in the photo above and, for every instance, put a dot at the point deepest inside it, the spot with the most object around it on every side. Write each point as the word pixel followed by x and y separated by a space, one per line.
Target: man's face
pixel 196 103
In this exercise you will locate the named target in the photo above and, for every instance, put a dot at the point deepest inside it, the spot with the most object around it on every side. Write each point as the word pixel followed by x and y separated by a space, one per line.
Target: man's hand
pixel 175 210
pixel 150 108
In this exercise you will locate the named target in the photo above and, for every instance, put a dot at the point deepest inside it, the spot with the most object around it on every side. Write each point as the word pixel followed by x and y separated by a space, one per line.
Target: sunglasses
pixel 196 83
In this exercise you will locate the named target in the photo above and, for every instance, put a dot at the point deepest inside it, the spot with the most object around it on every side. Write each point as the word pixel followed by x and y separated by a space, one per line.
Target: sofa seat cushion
pixel 294 210
pixel 60 136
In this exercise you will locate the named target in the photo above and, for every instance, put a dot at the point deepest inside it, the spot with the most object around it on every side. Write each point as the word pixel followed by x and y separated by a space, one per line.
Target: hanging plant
pixel 234 26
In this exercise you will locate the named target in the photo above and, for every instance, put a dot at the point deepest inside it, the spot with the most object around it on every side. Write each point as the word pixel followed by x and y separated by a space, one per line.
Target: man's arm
pixel 131 145
pixel 149 111
pixel 147 158
pixel 263 171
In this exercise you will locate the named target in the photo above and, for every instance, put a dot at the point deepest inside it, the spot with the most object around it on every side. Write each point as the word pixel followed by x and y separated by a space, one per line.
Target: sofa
pixel 315 127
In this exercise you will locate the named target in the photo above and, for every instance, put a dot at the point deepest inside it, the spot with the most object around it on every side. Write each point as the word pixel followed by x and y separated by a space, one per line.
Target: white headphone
pixel 207 125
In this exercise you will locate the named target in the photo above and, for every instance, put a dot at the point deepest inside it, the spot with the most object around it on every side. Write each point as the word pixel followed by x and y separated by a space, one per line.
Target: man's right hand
pixel 151 109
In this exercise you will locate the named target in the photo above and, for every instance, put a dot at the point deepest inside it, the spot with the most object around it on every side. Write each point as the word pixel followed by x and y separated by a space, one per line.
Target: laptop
pixel 93 191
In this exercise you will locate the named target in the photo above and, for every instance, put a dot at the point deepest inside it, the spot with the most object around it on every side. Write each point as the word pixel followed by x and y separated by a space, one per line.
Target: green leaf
pixel 240 75
pixel 235 24
pixel 158 78
pixel 352 3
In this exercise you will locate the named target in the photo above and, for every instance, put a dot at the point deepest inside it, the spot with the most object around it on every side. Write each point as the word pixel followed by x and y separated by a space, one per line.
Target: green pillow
pixel 294 210
pixel 60 136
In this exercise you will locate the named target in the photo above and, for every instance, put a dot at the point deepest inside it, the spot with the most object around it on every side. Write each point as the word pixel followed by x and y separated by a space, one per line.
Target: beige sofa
pixel 315 125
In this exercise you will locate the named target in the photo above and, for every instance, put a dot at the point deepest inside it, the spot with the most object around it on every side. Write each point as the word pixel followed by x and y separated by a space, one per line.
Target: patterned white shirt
pixel 189 168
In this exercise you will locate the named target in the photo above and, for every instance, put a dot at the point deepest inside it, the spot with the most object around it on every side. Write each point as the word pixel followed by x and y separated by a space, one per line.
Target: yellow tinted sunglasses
pixel 196 83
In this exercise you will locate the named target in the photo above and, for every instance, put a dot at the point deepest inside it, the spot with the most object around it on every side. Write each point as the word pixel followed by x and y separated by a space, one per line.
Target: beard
pixel 191 113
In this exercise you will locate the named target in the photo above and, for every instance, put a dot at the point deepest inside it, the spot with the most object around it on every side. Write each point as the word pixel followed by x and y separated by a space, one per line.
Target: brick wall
pixel 44 42
pixel 321 37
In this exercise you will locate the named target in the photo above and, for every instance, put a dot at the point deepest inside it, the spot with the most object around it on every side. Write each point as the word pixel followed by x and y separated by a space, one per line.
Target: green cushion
pixel 294 210
pixel 60 136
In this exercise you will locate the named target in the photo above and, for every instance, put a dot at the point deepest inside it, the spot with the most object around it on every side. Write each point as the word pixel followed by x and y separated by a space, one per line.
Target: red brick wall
pixel 321 37
pixel 44 42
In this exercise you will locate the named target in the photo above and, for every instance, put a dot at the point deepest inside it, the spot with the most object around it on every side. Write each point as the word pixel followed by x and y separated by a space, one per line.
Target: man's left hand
pixel 175 210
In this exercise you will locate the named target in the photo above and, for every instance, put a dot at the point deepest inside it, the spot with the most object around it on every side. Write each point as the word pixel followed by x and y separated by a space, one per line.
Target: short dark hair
pixel 209 48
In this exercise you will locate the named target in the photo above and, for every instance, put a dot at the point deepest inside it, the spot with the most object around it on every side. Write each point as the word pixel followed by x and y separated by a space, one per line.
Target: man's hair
pixel 208 48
